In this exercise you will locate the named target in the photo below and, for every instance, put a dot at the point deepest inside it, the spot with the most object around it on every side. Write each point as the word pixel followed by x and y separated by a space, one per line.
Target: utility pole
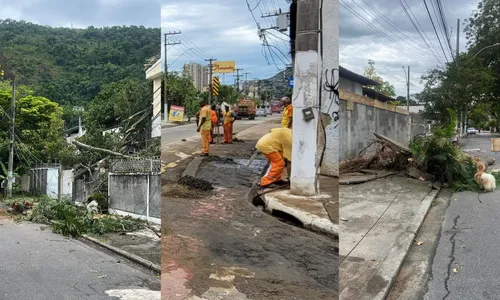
pixel 328 139
pixel 10 168
pixel 210 84
pixel 238 75
pixel 458 64
pixel 165 97
pixel 408 91
pixel 306 112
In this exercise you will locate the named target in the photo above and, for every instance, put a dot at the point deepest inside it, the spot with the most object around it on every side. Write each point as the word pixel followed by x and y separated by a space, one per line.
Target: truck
pixel 275 107
pixel 246 108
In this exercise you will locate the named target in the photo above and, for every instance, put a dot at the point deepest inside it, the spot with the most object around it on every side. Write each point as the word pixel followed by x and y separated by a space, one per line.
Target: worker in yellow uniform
pixel 229 117
pixel 204 126
pixel 277 148
pixel 286 120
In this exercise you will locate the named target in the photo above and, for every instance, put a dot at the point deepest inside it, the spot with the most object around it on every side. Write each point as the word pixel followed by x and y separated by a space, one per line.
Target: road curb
pixel 309 220
pixel 143 262
pixel 390 268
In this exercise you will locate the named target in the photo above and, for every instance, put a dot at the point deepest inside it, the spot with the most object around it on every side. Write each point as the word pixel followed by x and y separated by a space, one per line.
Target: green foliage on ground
pixel 70 220
pixel 437 155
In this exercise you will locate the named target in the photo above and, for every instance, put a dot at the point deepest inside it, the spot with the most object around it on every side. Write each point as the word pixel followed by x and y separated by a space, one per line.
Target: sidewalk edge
pixel 143 262
pixel 309 220
pixel 390 268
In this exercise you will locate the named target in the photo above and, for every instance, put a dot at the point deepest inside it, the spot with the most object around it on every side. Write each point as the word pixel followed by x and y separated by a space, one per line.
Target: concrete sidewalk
pixel 379 222
pixel 319 213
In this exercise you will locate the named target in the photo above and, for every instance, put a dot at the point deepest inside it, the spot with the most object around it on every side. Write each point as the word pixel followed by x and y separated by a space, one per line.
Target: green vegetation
pixel 385 87
pixel 437 155
pixel 70 66
pixel 69 220
pixel 471 83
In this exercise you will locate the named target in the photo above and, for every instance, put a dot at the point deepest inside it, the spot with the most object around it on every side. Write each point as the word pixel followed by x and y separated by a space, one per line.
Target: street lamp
pixel 487 47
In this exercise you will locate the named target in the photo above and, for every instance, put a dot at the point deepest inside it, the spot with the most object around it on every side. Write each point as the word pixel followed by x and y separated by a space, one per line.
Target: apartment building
pixel 198 73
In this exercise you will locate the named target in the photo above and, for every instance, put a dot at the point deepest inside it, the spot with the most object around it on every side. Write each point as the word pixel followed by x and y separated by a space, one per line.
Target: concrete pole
pixel 10 167
pixel 330 102
pixel 210 83
pixel 304 177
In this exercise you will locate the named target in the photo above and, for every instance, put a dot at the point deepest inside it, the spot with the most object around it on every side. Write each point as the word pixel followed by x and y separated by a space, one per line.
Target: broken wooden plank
pixel 394 143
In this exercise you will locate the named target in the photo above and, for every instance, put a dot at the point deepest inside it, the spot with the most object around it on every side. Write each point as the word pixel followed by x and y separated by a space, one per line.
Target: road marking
pixel 135 294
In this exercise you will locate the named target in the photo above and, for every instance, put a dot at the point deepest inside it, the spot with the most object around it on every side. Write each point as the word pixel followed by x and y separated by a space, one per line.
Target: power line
pixel 351 10
pixel 419 48
pixel 433 26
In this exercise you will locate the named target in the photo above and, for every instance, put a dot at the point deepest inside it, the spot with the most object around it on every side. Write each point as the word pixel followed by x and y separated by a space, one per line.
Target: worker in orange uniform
pixel 229 117
pixel 214 123
pixel 286 119
pixel 204 126
pixel 277 148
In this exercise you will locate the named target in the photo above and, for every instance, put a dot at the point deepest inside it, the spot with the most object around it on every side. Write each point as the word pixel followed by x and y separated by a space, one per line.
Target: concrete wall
pixel 362 116
pixel 350 86
pixel 128 194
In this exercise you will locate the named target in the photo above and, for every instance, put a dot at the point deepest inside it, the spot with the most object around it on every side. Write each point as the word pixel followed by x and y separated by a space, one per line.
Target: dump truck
pixel 246 108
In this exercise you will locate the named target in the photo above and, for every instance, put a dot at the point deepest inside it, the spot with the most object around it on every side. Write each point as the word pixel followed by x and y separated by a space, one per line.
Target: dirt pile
pixel 195 183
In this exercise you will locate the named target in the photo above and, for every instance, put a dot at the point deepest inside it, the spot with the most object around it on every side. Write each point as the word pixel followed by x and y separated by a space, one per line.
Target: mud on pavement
pixel 217 242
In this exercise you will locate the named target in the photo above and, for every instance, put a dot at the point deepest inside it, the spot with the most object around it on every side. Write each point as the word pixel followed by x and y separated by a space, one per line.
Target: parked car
pixel 471 130
pixel 261 112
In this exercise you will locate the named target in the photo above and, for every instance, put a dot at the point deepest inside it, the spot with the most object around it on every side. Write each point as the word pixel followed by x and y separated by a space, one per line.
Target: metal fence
pixel 139 165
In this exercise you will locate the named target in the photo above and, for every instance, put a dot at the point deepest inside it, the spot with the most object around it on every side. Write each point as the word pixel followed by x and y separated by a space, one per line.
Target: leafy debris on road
pixel 70 220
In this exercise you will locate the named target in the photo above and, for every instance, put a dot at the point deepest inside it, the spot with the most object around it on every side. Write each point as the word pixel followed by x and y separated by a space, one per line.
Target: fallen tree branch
pixel 152 229
pixel 79 144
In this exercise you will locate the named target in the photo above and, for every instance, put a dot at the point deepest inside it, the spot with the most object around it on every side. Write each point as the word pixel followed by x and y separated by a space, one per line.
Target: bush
pixel 437 155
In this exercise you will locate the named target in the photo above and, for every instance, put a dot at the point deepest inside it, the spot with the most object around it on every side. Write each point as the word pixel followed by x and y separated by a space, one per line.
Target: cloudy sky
pixel 83 13
pixel 225 30
pixel 403 45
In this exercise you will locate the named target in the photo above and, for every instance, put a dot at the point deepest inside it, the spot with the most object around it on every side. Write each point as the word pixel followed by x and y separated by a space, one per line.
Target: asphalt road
pixel 466 264
pixel 38 264
pixel 177 133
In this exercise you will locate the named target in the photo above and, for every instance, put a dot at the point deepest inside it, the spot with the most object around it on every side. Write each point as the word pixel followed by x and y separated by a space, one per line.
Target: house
pixel 154 73
pixel 353 83
pixel 366 111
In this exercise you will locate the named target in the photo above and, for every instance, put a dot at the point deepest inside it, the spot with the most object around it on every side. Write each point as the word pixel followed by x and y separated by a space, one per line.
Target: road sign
pixel 176 113
pixel 291 82
pixel 215 86
pixel 223 67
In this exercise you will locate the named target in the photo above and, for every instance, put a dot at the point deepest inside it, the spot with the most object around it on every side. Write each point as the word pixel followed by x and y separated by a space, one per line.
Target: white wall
pixel 67 185
pixel 351 86
pixel 330 103
pixel 52 182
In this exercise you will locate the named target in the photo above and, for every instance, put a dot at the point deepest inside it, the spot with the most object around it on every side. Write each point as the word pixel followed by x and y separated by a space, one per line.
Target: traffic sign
pixel 215 86
pixel 291 82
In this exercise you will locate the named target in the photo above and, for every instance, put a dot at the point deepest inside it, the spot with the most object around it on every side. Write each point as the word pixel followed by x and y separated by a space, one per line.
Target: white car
pixel 471 130
pixel 261 112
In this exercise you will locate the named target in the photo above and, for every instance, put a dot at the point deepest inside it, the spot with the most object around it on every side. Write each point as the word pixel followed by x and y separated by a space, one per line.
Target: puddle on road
pixel 257 165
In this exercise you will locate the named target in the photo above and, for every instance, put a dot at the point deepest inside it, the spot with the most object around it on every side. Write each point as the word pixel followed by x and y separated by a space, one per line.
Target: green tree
pixel 385 87
pixel 39 128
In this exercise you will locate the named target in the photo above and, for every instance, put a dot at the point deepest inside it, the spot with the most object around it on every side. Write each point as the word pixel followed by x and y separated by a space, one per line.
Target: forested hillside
pixel 70 66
